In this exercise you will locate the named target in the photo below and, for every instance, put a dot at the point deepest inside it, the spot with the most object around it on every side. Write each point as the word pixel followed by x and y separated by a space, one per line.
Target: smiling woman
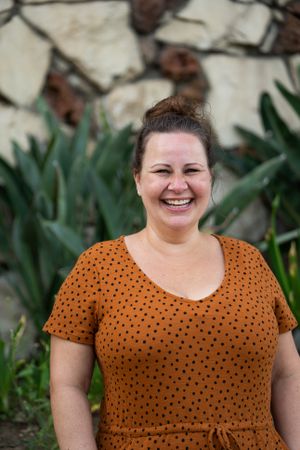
pixel 190 330
pixel 174 181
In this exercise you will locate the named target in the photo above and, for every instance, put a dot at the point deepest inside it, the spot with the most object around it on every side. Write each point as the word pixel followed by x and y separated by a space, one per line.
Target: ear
pixel 212 176
pixel 137 179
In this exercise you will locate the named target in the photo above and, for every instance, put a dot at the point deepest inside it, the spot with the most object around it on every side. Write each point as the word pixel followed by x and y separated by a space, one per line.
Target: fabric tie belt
pixel 222 432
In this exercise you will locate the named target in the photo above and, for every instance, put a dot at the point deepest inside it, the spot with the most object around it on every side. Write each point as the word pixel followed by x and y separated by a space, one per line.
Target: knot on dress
pixel 225 437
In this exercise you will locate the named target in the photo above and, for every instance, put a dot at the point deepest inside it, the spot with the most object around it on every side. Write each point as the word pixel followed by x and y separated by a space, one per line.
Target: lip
pixel 176 198
pixel 177 207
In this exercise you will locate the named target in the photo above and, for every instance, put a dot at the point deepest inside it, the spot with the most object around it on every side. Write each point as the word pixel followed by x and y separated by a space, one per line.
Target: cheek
pixel 152 189
pixel 203 187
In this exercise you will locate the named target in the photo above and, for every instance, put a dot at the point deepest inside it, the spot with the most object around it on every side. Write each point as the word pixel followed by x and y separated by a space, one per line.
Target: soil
pixel 15 435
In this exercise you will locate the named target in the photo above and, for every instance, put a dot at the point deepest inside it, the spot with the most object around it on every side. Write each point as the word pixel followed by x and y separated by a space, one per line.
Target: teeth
pixel 177 202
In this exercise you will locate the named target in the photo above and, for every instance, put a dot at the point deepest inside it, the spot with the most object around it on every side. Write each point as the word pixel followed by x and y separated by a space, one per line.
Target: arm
pixel 286 391
pixel 71 368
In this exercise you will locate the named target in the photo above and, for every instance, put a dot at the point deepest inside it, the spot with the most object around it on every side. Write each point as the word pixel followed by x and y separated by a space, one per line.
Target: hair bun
pixel 177 105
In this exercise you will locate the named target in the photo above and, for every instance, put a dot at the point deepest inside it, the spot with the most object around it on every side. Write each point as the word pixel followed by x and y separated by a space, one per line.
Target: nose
pixel 177 183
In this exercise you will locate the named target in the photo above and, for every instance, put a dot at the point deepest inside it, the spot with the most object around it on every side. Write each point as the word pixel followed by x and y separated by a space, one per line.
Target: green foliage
pixel 244 191
pixel 9 367
pixel 280 143
pixel 24 389
pixel 58 200
pixel 287 272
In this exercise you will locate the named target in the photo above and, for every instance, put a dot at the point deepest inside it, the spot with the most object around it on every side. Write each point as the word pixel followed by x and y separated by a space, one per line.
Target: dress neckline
pixel 166 293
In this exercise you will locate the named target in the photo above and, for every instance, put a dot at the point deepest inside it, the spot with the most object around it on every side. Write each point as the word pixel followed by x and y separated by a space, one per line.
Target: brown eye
pixel 192 170
pixel 162 171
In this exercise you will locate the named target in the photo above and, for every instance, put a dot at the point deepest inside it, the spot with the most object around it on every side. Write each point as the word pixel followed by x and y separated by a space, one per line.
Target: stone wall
pixel 125 55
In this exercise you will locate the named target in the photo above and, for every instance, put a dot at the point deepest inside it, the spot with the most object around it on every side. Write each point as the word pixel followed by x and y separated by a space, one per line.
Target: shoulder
pixel 103 248
pixel 104 251
pixel 237 245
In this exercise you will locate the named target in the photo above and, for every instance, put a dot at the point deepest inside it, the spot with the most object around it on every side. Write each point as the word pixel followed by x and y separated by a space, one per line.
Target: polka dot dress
pixel 178 373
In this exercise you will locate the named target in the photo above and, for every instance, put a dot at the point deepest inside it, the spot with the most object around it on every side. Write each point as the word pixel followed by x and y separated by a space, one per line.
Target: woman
pixel 191 330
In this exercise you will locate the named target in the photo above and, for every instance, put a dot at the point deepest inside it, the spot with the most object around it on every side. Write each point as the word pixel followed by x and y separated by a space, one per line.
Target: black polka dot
pixel 178 373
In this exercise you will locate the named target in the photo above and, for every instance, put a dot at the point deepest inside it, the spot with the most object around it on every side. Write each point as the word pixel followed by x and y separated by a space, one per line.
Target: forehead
pixel 178 145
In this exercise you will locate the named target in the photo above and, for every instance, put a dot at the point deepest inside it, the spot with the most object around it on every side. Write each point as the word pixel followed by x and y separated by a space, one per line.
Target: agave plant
pixel 279 143
pixel 285 264
pixel 287 271
pixel 57 200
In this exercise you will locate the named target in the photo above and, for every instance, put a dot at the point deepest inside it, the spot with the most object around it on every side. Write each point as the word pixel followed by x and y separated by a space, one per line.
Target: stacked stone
pixel 126 55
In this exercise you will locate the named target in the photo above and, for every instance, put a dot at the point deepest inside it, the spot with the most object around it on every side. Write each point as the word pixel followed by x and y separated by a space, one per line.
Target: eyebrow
pixel 169 165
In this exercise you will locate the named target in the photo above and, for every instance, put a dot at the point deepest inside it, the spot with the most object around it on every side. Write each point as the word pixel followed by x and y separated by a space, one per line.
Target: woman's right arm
pixel 71 368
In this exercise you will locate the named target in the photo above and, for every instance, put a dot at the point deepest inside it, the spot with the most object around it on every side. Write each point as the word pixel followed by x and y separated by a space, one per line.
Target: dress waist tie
pixel 223 432
pixel 224 435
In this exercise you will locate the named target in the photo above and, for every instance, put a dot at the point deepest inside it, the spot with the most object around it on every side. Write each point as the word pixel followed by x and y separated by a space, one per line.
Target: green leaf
pixel 14 188
pixel 50 119
pixel 266 149
pixel 28 167
pixel 288 141
pixel 28 271
pixel 245 191
pixel 112 157
pixel 280 239
pixel 294 275
pixel 61 201
pixel 81 136
pixel 274 251
pixel 43 205
pixel 78 188
pixel 56 148
pixel 67 236
pixel 293 99
pixel 107 206
pixel 35 150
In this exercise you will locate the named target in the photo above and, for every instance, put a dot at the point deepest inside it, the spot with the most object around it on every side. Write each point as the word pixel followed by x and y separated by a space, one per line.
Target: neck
pixel 172 241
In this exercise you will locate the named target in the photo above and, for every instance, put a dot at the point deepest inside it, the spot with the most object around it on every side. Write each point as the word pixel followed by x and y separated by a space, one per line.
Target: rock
pixel 25 2
pixel 294 63
pixel 16 124
pixel 5 5
pixel 60 64
pixel 253 222
pixel 25 58
pixel 283 2
pixel 95 36
pixel 243 31
pixel 218 15
pixel 195 89
pixel 80 85
pixel 149 49
pixel 288 40
pixel 128 103
pixel 178 63
pixel 5 10
pixel 174 5
pixel 267 45
pixel 236 103
pixel 178 31
pixel 146 15
pixel 67 105
pixel 218 26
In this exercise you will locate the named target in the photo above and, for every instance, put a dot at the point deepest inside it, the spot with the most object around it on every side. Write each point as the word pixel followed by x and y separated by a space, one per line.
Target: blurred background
pixel 75 79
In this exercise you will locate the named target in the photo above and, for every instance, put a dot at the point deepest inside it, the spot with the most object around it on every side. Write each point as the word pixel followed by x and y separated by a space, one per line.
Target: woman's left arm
pixel 286 391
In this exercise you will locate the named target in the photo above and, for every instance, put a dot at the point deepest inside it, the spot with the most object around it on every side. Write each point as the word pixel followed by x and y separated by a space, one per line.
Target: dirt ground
pixel 15 435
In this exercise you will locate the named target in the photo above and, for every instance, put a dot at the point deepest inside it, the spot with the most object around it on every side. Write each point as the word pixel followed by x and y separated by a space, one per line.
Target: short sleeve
pixel 285 318
pixel 74 314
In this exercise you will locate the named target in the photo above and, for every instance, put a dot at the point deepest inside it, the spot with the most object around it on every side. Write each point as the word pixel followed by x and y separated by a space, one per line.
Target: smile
pixel 178 202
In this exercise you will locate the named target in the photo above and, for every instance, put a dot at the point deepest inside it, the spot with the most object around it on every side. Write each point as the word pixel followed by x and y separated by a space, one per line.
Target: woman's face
pixel 175 181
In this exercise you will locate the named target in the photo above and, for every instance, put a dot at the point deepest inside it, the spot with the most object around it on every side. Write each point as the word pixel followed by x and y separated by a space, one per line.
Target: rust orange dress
pixel 178 373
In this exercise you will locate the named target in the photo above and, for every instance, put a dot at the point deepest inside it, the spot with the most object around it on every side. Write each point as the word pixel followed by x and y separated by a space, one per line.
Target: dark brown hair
pixel 172 114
